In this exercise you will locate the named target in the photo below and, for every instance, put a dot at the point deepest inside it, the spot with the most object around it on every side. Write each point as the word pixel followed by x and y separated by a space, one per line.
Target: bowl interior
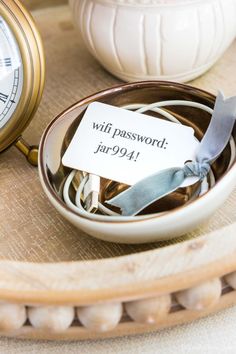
pixel 61 131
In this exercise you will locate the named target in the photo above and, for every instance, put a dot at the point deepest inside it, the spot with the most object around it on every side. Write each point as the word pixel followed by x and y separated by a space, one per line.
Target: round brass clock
pixel 22 72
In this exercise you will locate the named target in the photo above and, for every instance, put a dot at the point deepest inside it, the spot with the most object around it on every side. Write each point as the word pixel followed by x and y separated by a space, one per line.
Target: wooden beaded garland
pixel 100 318
pixel 151 310
pixel 201 296
pixel 51 318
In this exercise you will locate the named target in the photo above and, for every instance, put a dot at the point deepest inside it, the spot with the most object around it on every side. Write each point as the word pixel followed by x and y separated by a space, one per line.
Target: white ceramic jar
pixel 156 39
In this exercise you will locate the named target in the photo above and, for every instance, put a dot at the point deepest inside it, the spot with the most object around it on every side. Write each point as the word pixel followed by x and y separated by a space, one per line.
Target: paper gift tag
pixel 126 146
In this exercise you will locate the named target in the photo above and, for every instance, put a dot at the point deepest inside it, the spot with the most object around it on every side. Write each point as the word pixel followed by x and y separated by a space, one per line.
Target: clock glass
pixel 11 73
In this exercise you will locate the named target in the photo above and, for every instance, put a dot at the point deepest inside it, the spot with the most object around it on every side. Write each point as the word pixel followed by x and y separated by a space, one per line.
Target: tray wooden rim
pixel 134 276
pixel 123 329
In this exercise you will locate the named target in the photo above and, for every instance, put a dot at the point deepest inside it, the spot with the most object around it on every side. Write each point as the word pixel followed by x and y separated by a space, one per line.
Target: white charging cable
pixel 141 108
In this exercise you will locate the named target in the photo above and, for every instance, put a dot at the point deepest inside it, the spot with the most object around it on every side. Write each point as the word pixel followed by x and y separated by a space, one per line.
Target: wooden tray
pixel 49 271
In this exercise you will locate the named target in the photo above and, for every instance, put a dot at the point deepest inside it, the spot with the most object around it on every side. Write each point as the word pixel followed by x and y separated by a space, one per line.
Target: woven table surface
pixel 32 230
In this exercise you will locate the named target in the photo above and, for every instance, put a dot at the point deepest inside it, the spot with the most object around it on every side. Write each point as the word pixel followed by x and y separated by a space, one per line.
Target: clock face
pixel 11 73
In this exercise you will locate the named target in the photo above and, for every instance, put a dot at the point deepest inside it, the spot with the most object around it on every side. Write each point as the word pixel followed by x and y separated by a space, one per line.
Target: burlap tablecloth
pixel 27 217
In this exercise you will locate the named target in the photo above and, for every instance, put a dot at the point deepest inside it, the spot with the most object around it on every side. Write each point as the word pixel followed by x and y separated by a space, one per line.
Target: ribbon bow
pixel 158 185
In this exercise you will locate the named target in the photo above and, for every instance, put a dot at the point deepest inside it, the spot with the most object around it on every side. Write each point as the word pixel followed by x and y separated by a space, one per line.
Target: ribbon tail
pixel 220 128
pixel 148 190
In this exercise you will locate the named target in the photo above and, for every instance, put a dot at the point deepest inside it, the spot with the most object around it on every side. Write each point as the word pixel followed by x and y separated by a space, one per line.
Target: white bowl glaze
pixel 156 39
pixel 146 228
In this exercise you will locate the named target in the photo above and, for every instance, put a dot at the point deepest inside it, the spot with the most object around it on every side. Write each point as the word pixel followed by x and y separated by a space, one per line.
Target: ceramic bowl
pixel 183 215
pixel 156 39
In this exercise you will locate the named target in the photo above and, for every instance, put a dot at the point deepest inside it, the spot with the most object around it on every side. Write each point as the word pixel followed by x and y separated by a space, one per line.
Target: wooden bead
pixel 149 310
pixel 52 318
pixel 100 318
pixel 12 317
pixel 231 280
pixel 201 296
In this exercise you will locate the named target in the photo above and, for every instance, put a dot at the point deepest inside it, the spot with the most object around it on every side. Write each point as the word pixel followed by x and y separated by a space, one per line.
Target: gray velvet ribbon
pixel 160 184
